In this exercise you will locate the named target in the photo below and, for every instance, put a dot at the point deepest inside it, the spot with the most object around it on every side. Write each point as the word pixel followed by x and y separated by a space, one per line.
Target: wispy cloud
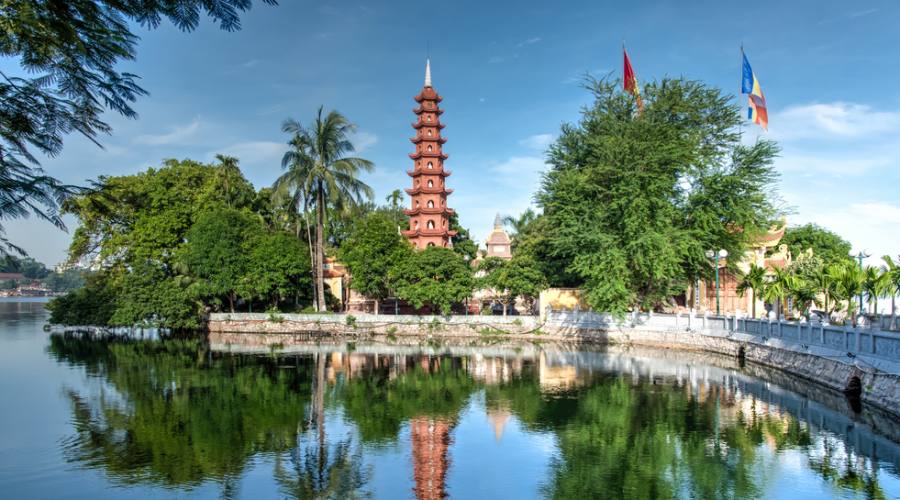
pixel 496 60
pixel 176 135
pixel 833 120
pixel 363 141
pixel 255 157
pixel 537 141
pixel 249 64
pixel 530 41
pixel 862 13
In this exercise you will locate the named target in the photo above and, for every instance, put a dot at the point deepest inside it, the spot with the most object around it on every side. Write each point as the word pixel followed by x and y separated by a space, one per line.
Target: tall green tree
pixel 518 277
pixel 373 248
pixel 753 280
pixel 214 252
pixel 825 244
pixel 633 200
pixel 318 170
pixel 278 268
pixel 436 278
pixel 69 52
pixel 133 228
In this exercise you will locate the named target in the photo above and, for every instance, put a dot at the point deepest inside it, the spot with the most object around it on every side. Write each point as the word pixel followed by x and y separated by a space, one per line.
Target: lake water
pixel 177 419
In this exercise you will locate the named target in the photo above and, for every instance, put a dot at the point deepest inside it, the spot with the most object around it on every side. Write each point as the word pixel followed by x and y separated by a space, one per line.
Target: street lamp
pixel 860 255
pixel 721 254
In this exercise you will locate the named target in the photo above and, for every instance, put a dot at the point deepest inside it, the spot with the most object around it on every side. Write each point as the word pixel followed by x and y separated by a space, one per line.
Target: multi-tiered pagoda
pixel 429 216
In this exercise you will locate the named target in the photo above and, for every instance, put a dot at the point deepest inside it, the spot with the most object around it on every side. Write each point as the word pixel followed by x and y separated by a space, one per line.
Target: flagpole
pixel 738 97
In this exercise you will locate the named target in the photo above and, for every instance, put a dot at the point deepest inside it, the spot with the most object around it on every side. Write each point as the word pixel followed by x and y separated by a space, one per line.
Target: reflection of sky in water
pixel 492 452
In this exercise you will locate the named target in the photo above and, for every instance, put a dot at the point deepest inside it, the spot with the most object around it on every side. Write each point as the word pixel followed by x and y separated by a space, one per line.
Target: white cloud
pixel 495 60
pixel 258 159
pixel 176 135
pixel 873 226
pixel 530 41
pixel 521 165
pixel 363 141
pixel 537 141
pixel 837 120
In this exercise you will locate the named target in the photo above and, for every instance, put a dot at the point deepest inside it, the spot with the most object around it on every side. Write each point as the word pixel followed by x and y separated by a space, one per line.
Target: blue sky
pixel 509 74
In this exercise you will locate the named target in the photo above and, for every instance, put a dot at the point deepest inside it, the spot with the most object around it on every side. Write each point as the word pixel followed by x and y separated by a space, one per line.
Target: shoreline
pixel 877 378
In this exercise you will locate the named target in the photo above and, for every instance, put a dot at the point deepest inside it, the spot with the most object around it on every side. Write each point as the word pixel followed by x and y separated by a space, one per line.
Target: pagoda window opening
pixel 417 203
pixel 430 165
pixel 430 224
pixel 429 148
pixel 430 183
pixel 429 132
pixel 431 244
pixel 416 224
pixel 430 203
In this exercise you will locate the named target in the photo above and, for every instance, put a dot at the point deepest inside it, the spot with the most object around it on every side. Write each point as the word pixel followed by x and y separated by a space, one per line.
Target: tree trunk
pixel 231 302
pixel 312 260
pixel 893 325
pixel 320 249
pixel 504 308
pixel 753 305
pixel 376 306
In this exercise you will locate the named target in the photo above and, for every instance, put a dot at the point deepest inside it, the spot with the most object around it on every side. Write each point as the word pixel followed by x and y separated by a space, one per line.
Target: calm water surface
pixel 178 418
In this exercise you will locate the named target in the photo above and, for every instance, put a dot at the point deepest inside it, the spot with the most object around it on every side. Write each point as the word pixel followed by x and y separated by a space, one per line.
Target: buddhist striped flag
pixel 756 110
pixel 630 82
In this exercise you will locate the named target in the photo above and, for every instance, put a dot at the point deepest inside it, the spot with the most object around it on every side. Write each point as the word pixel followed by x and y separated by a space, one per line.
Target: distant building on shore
pixel 498 243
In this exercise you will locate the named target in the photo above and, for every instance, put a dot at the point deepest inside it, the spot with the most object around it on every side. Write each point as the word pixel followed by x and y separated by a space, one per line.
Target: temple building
pixel 766 252
pixel 429 216
pixel 498 242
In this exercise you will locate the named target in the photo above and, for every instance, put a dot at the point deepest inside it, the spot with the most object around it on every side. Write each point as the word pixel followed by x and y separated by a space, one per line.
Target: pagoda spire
pixel 429 215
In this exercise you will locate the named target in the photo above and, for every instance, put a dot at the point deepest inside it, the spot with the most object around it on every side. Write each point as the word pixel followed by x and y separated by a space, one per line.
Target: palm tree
pixel 518 224
pixel 848 279
pixel 753 280
pixel 778 287
pixel 893 273
pixel 319 172
pixel 824 285
pixel 394 198
pixel 876 284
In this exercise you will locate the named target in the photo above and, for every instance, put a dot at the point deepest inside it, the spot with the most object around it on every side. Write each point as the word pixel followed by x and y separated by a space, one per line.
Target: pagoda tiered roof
pixel 429 211
pixel 428 154
pixel 421 109
pixel 411 233
pixel 424 171
pixel 417 139
pixel 419 124
pixel 428 190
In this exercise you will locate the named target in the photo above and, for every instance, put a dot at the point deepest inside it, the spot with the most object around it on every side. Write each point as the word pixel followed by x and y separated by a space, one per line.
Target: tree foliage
pixel 176 241
pixel 827 245
pixel 436 278
pixel 68 53
pixel 372 249
pixel 633 200
pixel 518 277
pixel 320 173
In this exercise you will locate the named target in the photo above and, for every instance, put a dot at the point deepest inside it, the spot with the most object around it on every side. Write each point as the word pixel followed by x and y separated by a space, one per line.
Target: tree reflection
pixel 170 414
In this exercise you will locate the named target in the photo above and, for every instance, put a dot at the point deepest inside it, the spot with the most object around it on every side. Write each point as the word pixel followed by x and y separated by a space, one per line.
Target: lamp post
pixel 862 254
pixel 721 254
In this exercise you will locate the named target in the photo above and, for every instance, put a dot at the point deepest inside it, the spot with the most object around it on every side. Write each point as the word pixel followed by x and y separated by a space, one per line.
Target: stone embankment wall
pixel 877 374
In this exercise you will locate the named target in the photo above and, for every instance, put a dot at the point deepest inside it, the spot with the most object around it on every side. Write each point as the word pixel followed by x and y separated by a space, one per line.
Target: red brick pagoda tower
pixel 429 216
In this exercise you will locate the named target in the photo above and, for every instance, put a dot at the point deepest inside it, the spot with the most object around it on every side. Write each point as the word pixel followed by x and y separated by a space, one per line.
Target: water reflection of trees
pixel 174 415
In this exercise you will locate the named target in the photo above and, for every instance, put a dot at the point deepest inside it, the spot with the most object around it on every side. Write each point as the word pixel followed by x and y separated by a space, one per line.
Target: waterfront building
pixel 429 215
